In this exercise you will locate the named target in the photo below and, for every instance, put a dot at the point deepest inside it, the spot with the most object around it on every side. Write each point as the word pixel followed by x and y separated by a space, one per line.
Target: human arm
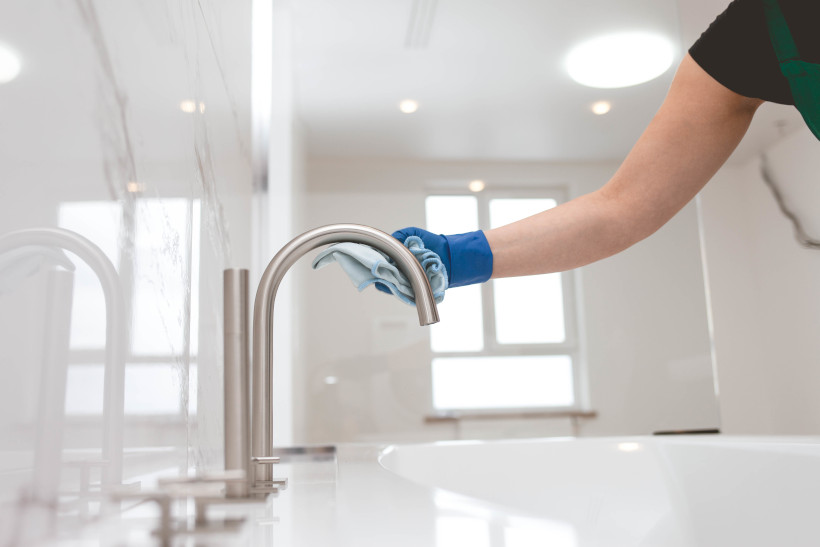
pixel 693 133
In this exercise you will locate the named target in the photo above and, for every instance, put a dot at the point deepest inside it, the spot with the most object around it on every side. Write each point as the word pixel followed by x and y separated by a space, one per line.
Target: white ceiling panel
pixel 489 77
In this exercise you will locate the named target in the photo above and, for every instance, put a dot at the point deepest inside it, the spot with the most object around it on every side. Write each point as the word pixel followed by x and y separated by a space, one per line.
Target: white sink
pixel 653 491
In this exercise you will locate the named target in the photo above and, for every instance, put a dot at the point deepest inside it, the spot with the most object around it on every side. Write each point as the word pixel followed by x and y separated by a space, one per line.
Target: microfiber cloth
pixel 366 266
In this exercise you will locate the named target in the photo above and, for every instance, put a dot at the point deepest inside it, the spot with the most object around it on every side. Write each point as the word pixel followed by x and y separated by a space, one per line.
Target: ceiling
pixel 488 75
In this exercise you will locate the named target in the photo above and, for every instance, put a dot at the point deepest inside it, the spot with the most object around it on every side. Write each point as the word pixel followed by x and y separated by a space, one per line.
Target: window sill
pixel 459 415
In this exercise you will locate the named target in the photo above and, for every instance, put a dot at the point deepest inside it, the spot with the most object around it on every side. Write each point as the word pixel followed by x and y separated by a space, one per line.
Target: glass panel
pixel 529 532
pixel 461 326
pixel 84 390
pixel 451 214
pixel 160 276
pixel 152 389
pixel 462 531
pixel 196 219
pixel 193 390
pixel 502 382
pixel 99 222
pixel 528 310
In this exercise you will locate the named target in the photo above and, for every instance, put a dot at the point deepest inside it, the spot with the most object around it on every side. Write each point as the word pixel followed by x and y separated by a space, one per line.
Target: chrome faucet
pixel 261 430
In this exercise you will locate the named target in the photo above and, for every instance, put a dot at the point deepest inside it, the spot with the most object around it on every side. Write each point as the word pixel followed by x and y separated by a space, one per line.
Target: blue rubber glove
pixel 466 257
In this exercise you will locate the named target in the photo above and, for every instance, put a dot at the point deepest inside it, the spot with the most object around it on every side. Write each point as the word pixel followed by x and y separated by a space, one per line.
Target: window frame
pixel 571 345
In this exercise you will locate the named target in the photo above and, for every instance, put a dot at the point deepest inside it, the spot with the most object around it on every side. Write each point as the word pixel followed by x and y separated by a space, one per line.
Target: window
pixel 161 261
pixel 510 344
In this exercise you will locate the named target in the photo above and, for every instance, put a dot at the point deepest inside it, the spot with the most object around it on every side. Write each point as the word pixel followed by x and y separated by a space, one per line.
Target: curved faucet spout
pixel 262 370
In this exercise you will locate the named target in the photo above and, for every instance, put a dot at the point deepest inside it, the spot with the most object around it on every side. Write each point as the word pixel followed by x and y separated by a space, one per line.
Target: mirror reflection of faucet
pixel 22 254
pixel 249 416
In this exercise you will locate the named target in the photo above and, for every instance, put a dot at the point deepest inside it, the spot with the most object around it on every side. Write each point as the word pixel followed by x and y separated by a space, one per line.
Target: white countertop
pixel 344 499
pixel 640 491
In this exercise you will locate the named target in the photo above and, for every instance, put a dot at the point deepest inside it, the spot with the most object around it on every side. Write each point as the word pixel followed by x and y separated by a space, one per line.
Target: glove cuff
pixel 471 260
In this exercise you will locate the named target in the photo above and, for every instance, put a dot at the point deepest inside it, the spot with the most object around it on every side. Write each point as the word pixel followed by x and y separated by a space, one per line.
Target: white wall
pixel 281 204
pixel 764 291
pixel 646 351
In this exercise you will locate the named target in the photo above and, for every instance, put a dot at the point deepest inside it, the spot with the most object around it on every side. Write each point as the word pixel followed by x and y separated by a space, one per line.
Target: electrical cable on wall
pixel 799 232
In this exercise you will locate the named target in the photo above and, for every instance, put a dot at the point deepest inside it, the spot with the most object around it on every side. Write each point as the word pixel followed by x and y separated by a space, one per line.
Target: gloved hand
pixel 466 257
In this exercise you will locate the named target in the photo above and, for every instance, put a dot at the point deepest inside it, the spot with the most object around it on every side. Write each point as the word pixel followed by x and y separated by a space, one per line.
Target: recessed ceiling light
pixel 408 106
pixel 601 107
pixel 620 60
pixel 188 107
pixel 476 185
pixel 9 64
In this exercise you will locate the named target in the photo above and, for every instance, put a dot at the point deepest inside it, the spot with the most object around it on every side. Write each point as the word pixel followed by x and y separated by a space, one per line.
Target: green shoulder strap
pixel 803 77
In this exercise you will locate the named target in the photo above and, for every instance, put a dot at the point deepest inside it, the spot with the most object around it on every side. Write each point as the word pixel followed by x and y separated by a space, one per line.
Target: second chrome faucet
pixel 248 423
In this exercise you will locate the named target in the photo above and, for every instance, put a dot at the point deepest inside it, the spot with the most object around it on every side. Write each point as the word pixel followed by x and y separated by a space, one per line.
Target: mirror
pixel 125 126
pixel 495 103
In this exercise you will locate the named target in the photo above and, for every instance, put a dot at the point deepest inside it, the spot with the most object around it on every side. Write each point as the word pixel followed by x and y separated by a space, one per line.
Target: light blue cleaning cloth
pixel 366 266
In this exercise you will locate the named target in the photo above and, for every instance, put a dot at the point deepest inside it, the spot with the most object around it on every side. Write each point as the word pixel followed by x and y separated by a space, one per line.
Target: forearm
pixel 661 174
pixel 657 179
pixel 691 136
pixel 576 233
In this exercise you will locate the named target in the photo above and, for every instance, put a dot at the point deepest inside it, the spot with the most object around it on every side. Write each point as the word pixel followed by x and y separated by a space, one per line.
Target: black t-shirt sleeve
pixel 736 51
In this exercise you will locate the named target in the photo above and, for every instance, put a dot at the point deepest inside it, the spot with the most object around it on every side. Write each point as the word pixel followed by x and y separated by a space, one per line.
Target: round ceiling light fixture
pixel 601 107
pixel 620 60
pixel 408 106
pixel 476 185
pixel 9 64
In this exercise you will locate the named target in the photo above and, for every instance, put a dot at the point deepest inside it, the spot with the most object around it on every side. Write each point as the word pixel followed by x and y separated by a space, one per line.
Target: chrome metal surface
pixel 313 450
pixel 315 453
pixel 237 378
pixel 266 484
pixel 265 459
pixel 265 490
pixel 280 484
pixel 261 385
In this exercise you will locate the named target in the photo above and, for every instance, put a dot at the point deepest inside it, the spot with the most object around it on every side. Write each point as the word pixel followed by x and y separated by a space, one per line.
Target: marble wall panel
pixel 129 124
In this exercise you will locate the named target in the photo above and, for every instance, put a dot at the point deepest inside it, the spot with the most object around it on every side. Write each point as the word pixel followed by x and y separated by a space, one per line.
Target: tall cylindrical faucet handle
pixel 236 378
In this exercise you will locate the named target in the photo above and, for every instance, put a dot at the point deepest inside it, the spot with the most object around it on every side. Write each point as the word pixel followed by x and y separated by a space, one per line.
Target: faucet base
pixel 263 486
